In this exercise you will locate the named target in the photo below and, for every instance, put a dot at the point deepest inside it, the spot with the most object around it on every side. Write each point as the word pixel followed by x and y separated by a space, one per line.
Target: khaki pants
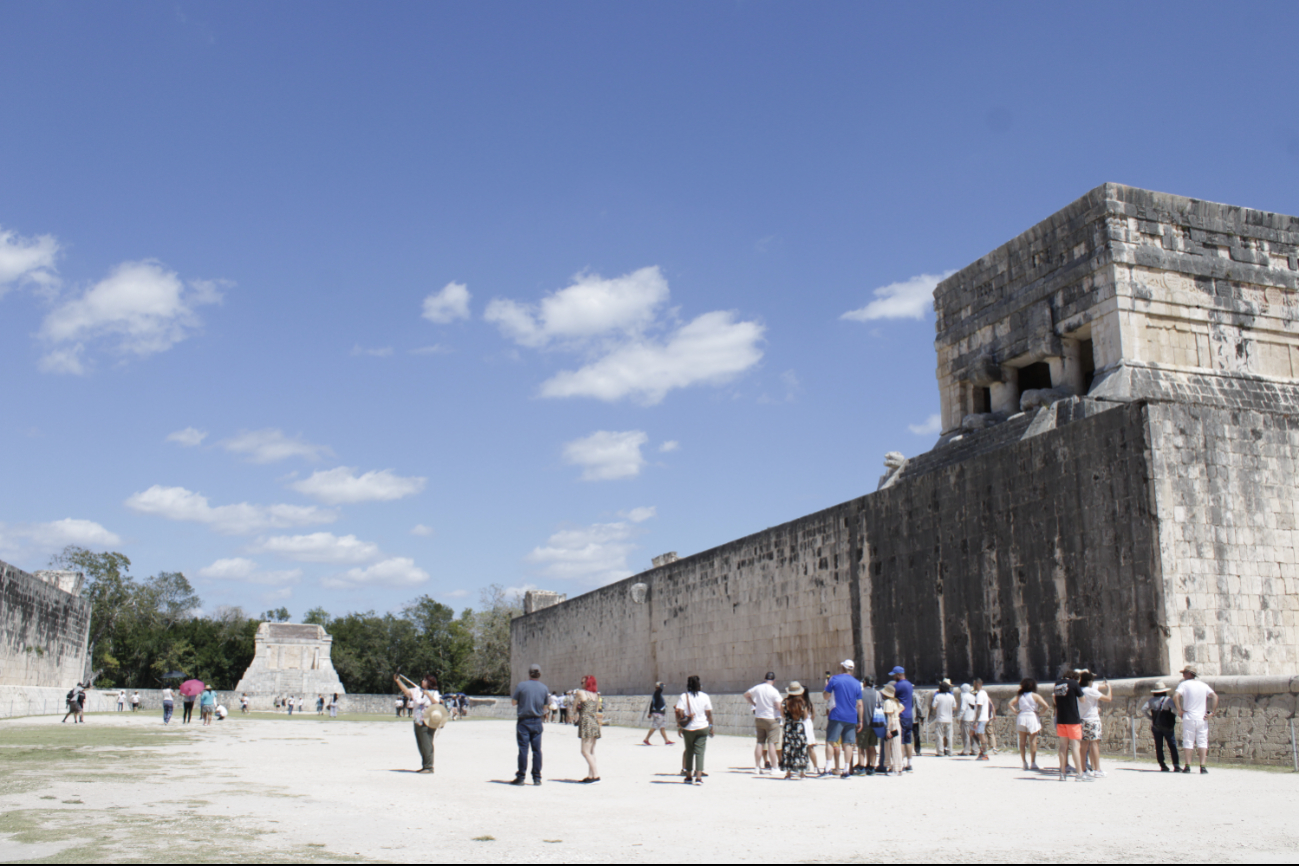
pixel 696 743
pixel 424 740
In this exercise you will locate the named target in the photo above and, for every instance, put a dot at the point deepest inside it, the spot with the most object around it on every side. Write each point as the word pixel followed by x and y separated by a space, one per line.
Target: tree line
pixel 142 630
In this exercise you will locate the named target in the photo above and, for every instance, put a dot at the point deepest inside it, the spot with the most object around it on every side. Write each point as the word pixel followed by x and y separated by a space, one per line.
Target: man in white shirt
pixel 941 709
pixel 121 701
pixel 982 714
pixel 765 700
pixel 135 702
pixel 1196 703
pixel 966 709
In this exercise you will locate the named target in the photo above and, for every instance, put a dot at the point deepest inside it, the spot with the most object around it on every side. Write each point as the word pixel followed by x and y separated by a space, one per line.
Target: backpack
pixel 879 721
pixel 1165 718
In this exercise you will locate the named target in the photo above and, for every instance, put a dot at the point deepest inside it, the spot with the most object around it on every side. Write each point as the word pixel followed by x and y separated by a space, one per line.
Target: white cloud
pixel 455 593
pixel 24 260
pixel 932 426
pixel 271 445
pixel 177 503
pixel 384 352
pixel 395 572
pixel 319 547
pixel 606 456
pixel 669 446
pixel 247 571
pixel 711 350
pixel 343 485
pixel 640 515
pixel 447 305
pixel 909 299
pixel 31 539
pixel 189 437
pixel 423 531
pixel 591 307
pixel 434 349
pixel 141 308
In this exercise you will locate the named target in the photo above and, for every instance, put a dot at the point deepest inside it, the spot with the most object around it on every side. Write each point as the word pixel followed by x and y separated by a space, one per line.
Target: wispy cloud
pixel 246 571
pixel 344 486
pixel 177 503
pixel 423 531
pixel 319 547
pixel 396 572
pixel 272 445
pixel 606 455
pixel 909 299
pixel 18 540
pixel 448 304
pixel 190 437
pixel 383 352
pixel 932 426
pixel 27 260
pixel 669 446
pixel 595 554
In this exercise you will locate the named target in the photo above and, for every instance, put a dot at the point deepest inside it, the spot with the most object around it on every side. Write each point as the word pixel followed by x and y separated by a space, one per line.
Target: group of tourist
pixel 865 723
pixel 121 701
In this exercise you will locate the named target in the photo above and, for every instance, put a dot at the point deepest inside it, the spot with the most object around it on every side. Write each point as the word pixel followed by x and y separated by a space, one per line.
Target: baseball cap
pixel 847 663
pixel 534 669
pixel 898 670
pixel 1189 670
pixel 770 675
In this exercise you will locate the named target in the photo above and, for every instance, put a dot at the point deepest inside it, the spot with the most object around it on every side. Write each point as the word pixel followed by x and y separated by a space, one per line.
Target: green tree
pixel 109 589
pixel 490 666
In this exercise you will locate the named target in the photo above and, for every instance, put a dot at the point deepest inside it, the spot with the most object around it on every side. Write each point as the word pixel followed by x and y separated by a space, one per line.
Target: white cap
pixel 848 663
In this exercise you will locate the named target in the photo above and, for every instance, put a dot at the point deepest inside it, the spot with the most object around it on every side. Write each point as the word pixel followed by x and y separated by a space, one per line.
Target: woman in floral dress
pixel 586 700
pixel 794 757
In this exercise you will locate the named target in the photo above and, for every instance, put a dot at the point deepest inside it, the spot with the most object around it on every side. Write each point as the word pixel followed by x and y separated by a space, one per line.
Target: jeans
pixel 424 739
pixel 1162 737
pixel 696 743
pixel 528 732
pixel 167 708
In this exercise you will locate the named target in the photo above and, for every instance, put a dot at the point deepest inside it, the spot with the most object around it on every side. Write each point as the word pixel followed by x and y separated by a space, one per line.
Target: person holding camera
pixel 695 725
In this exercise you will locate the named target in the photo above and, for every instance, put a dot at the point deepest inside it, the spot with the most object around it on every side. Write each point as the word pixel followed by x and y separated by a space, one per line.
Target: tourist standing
pixel 657 712
pixel 400 704
pixel 794 710
pixel 333 706
pixel 765 700
pixel 1162 711
pixel 982 713
pixel 1196 703
pixel 422 699
pixel 1091 720
pixel 845 719
pixel 207 706
pixel 320 705
pixel 1068 720
pixel 867 738
pixel 942 709
pixel 905 695
pixel 809 732
pixel 168 706
pixel 243 703
pixel 121 701
pixel 135 702
pixel 188 714
pixel 893 730
pixel 587 702
pixel 695 725
pixel 530 699
pixel 71 698
pixel 967 711
pixel 1028 703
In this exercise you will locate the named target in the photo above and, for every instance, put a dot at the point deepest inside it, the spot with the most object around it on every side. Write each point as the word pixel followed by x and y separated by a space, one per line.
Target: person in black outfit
pixel 657 713
pixel 1163 724
pixel 189 709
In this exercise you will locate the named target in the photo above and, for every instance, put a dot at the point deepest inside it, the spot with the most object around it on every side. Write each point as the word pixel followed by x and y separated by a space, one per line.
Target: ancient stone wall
pixel 291 659
pixel 43 628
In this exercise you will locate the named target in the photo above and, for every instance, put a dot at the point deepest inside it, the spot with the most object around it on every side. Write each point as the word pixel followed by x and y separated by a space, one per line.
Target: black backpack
pixel 1165 718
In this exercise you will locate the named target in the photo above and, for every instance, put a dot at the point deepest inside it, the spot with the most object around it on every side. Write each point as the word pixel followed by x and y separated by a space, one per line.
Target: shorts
pixel 1195 733
pixel 841 732
pixel 907 733
pixel 867 739
pixel 657 721
pixel 771 732
pixel 1069 732
pixel 981 727
pixel 1028 724
pixel 1091 730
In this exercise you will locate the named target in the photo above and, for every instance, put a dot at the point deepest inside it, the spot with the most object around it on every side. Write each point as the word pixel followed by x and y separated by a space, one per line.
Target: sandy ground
pixel 307 790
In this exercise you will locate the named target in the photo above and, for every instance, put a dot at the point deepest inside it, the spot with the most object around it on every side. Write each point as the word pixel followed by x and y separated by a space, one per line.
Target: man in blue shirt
pixel 846 717
pixel 906 697
pixel 531 697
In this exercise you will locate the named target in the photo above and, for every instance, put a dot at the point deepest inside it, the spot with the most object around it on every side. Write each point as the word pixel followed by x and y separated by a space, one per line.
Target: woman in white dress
pixel 1028 703
pixel 809 733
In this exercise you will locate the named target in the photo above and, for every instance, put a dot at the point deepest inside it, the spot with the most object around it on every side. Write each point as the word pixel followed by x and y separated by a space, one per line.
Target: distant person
pixel 893 730
pixel 71 699
pixel 188 709
pixel 905 692
pixel 333 706
pixel 765 700
pixel 1028 703
pixel 168 706
pixel 121 701
pixel 530 699
pixel 657 713
pixel 795 711
pixel 965 706
pixel 1091 720
pixel 221 713
pixel 809 733
pixel 552 709
pixel 587 702
pixel 1162 711
pixel 243 703
pixel 695 723
pixel 401 705
pixel 207 706
pixel 845 719
pixel 868 739
pixel 1068 721
pixel 422 698
pixel 982 715
pixel 290 704
pixel 990 730
pixel 1196 703
pixel 942 709
pixel 135 702
pixel 320 705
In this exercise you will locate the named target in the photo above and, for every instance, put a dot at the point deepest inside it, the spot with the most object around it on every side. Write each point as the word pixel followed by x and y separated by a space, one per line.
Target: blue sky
pixel 341 304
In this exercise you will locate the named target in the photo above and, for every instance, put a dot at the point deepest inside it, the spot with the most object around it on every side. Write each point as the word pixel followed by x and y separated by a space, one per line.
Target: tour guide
pixel 422 698
pixel 530 697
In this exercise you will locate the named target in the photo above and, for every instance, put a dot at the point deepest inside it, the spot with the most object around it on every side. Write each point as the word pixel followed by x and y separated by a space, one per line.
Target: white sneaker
pixel 1099 774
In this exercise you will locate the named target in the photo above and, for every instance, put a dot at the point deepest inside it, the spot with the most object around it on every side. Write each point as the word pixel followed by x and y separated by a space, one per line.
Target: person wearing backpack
pixel 1163 724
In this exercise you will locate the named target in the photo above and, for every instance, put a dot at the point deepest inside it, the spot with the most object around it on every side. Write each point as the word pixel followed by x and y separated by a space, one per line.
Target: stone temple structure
pixel 291 660
pixel 1115 485
pixel 44 626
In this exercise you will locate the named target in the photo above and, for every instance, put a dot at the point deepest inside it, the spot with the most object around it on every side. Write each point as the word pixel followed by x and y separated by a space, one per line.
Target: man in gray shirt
pixel 531 698
pixel 867 740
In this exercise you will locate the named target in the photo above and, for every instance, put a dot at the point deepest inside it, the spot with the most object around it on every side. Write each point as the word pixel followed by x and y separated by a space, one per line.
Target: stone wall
pixel 291 659
pixel 43 628
pixel 1003 565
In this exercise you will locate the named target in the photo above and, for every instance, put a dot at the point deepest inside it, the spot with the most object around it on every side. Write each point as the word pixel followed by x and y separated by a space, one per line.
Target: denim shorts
pixel 845 732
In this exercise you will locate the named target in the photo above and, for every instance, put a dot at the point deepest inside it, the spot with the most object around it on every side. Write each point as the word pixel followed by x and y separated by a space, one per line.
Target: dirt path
pixel 308 790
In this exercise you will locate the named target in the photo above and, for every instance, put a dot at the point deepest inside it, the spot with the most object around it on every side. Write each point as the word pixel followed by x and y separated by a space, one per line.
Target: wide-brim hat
pixel 889 691
pixel 1159 687
pixel 795 688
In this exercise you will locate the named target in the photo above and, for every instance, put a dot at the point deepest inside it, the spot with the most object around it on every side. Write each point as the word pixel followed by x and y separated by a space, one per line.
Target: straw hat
pixel 1160 688
pixel 889 691
pixel 795 688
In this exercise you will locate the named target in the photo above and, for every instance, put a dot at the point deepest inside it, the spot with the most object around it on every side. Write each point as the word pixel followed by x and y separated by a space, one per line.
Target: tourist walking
pixel 320 705
pixel 1091 721
pixel 868 738
pixel 587 702
pixel 942 709
pixel 207 706
pixel 893 730
pixel 982 714
pixel 695 725
pixel 422 698
pixel 188 713
pixel 121 701
pixel 530 699
pixel 967 711
pixel 1068 721
pixel 135 702
pixel 1162 711
pixel 795 710
pixel 845 718
pixel 905 695
pixel 1196 703
pixel 74 708
pixel 657 712
pixel 1028 703
pixel 168 706
pixel 765 700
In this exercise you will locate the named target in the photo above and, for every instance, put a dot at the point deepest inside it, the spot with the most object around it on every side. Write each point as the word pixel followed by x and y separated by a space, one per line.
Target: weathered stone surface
pixel 44 625
pixel 291 660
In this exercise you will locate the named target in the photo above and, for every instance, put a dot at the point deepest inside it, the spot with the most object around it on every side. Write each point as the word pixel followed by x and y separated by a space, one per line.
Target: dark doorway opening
pixel 1087 361
pixel 982 400
pixel 1034 377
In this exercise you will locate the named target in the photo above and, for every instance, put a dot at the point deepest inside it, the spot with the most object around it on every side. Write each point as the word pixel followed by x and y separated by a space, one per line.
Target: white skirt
pixel 809 731
pixel 1027 723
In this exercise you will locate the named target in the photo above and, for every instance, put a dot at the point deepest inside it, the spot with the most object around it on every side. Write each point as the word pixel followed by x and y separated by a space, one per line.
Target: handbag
pixel 684 718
